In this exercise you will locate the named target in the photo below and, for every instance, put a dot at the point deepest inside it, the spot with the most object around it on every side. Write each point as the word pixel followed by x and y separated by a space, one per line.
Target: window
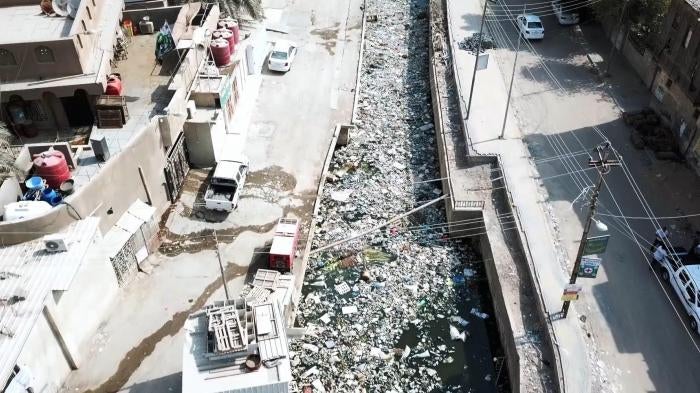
pixel 688 35
pixel 88 12
pixel 684 277
pixel 7 58
pixel 80 40
pixel 93 3
pixel 690 290
pixel 44 54
pixel 82 22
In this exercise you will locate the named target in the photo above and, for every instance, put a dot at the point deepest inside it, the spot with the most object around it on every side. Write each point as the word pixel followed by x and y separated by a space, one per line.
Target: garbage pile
pixel 650 133
pixel 471 43
pixel 401 309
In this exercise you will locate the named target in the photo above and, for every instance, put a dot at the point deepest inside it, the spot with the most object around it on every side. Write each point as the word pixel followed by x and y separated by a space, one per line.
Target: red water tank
pixel 114 85
pixel 232 25
pixel 221 52
pixel 227 35
pixel 52 166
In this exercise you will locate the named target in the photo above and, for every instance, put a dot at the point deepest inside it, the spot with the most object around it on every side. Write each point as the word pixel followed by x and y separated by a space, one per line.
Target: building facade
pixel 53 63
pixel 676 86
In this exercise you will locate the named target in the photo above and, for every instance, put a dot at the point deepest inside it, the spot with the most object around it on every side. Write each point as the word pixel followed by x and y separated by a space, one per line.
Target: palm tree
pixel 233 8
pixel 7 156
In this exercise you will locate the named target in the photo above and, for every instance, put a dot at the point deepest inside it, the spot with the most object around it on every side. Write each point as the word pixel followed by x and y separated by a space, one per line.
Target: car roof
pixel 532 18
pixel 694 273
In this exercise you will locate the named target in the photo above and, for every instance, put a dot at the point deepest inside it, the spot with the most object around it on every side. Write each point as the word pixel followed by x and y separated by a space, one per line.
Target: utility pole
pixel 512 78
pixel 617 33
pixel 476 59
pixel 604 165
pixel 221 266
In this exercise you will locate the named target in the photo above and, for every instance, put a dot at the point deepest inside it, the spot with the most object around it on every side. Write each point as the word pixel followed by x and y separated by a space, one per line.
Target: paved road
pixel 139 349
pixel 643 344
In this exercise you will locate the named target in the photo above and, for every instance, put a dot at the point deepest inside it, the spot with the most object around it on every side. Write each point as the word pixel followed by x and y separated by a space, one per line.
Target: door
pixel 77 108
pixel 176 168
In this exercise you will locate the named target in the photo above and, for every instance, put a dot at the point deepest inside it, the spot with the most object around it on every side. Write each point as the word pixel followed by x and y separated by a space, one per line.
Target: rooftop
pixel 215 351
pixel 28 274
pixel 26 23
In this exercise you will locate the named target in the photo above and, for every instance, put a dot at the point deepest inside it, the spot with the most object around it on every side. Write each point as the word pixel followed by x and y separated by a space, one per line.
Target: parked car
pixel 281 56
pixel 530 27
pixel 564 14
pixel 682 270
pixel 226 184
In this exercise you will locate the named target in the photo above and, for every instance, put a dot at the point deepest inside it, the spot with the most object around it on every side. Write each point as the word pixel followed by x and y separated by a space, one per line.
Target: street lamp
pixel 604 165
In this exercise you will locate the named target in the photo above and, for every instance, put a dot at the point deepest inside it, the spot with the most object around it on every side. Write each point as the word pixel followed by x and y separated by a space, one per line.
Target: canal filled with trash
pixel 405 308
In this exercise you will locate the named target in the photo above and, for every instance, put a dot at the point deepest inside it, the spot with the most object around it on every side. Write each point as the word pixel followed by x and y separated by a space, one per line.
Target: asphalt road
pixel 643 343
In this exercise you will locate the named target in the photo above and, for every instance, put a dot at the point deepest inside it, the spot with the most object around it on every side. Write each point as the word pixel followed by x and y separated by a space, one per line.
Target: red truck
pixel 284 244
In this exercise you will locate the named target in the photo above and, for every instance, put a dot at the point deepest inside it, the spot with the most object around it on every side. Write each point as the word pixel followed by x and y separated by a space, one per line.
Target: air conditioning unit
pixel 55 243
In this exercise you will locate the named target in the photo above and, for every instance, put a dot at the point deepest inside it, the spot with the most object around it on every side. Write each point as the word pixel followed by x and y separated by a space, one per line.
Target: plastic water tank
pixel 51 165
pixel 114 86
pixel 221 52
pixel 25 209
pixel 231 24
pixel 227 35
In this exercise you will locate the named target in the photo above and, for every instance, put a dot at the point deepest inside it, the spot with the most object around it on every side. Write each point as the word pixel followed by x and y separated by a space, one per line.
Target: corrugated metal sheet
pixel 31 273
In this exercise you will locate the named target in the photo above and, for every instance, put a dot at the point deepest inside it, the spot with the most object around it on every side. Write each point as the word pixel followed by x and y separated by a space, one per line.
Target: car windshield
pixel 534 25
pixel 278 55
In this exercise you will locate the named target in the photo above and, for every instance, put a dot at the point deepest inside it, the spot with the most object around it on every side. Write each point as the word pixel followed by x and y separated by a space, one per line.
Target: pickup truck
pixel 226 183
pixel 682 271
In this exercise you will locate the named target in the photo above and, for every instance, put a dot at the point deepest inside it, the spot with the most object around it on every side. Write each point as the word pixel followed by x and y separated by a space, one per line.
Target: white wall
pixel 43 355
pixel 89 299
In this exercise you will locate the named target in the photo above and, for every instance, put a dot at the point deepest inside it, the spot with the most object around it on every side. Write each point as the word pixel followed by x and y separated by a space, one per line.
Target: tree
pixel 644 17
pixel 7 157
pixel 233 8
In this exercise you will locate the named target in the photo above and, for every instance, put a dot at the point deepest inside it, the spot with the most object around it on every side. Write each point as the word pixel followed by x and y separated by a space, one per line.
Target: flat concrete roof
pixel 26 23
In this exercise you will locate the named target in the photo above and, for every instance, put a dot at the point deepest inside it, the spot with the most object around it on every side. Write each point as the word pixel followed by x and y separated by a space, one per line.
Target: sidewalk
pixel 484 127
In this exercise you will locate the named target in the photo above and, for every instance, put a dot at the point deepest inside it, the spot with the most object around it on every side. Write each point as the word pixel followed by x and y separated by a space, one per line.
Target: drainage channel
pixel 403 309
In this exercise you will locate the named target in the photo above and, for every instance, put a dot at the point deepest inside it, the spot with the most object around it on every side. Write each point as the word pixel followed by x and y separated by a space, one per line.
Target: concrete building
pixel 46 319
pixel 676 86
pixel 236 347
pixel 53 66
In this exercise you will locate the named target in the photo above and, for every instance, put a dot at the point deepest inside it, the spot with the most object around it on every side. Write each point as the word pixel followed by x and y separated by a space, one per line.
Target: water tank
pixel 221 52
pixel 227 35
pixel 236 31
pixel 25 209
pixel 114 86
pixel 52 166
pixel 225 23
pixel 231 24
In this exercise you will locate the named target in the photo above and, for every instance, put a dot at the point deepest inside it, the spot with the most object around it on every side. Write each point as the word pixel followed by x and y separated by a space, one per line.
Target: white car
pixel 685 281
pixel 281 56
pixel 530 27
pixel 564 16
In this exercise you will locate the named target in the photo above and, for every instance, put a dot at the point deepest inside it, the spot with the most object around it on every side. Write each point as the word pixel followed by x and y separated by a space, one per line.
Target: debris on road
pixel 471 43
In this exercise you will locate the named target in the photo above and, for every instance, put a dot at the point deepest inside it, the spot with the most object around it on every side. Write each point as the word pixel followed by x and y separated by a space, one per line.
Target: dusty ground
pixel 139 348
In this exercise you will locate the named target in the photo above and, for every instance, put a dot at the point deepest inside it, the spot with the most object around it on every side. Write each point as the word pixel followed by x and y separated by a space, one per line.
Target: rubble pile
pixel 401 309
pixel 471 43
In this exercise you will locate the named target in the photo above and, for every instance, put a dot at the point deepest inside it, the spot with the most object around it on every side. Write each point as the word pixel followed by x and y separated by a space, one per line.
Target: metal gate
pixel 176 168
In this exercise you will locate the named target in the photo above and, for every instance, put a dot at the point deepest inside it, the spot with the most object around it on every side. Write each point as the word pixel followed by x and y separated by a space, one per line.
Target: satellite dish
pixel 60 7
pixel 73 6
